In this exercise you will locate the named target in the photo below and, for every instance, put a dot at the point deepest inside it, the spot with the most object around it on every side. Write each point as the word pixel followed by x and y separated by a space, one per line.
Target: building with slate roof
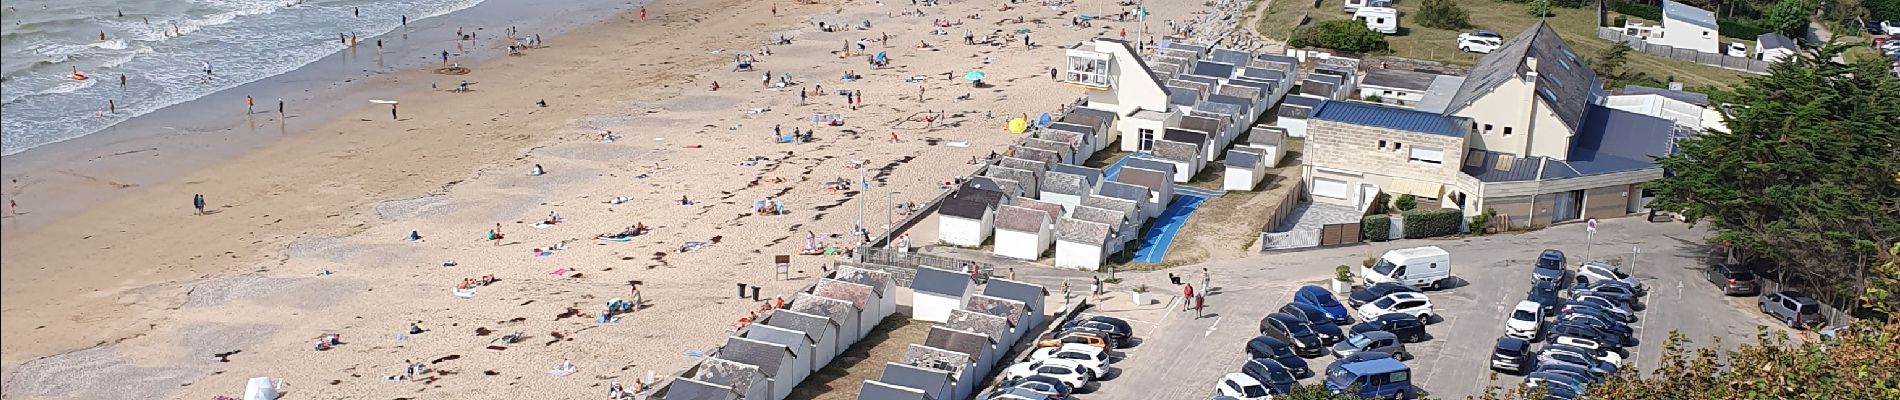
pixel 1271 141
pixel 1037 167
pixel 685 388
pixel 1246 167
pixel 1144 206
pixel 936 291
pixel 1023 233
pixel 1065 189
pixel 714 378
pixel 964 222
pixel 878 390
pixel 776 362
pixel 1159 180
pixel 1101 124
pixel 1527 134
pixel 838 311
pixel 958 365
pixel 801 345
pixel 868 300
pixel 1186 157
pixel 995 326
pixel 1034 298
pixel 1012 311
pixel 982 348
pixel 883 288
pixel 1064 151
pixel 1773 47
pixel 1081 244
pixel 1005 188
pixel 822 330
pixel 1293 113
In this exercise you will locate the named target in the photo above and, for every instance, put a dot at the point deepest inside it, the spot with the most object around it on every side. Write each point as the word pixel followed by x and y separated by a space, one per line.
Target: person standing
pixel 801 96
pixel 392 112
pixel 1200 302
pixel 198 202
pixel 643 12
pixel 1052 73
pixel 122 81
pixel 1206 281
pixel 280 107
pixel 250 106
pixel 1187 297
pixel 405 20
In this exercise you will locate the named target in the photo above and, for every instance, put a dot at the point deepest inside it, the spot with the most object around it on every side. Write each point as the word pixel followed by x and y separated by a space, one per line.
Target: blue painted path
pixel 1161 234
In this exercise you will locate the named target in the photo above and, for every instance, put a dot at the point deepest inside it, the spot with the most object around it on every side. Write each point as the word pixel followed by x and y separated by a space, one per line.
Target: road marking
pixel 1210 328
pixel 1167 311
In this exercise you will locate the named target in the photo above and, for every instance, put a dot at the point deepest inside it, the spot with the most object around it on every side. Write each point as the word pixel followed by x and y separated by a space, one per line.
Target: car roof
pixel 1550 253
pixel 1081 347
pixel 1513 342
pixel 1315 291
pixel 1379 366
pixel 1268 363
pixel 1797 296
pixel 1527 305
pixel 1402 296
pixel 1242 379
pixel 1376 335
pixel 1304 308
pixel 1266 340
pixel 1062 362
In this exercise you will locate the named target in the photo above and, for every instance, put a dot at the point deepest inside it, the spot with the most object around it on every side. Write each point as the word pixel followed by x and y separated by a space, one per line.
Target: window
pixel 1147 139
pixel 1474 158
pixel 1088 68
pixel 1329 188
pixel 1395 146
pixel 1487 129
pixel 1427 155
pixel 1507 131
pixel 1381 145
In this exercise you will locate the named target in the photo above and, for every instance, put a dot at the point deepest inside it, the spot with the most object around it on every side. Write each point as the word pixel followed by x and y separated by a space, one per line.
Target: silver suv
pixel 1795 308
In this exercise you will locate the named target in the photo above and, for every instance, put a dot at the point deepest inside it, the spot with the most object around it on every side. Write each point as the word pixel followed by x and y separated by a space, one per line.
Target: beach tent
pixel 1043 121
pixel 260 388
pixel 1018 125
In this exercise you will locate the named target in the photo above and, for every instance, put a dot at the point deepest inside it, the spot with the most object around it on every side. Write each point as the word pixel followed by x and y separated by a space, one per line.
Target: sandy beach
pixel 307 236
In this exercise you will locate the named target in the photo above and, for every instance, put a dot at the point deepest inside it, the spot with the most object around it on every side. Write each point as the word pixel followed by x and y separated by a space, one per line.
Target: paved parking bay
pixel 1181 356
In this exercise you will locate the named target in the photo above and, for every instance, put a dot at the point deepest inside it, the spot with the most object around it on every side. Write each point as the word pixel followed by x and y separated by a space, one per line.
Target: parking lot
pixel 1181 356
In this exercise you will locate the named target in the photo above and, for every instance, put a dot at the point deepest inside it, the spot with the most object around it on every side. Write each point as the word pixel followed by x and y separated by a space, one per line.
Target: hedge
pixel 1643 11
pixel 1736 28
pixel 1376 228
pixel 1431 223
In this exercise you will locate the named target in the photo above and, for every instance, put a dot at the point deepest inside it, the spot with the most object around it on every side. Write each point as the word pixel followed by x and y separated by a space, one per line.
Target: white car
pixel 1599 271
pixel 1089 357
pixel 1240 386
pixel 1526 320
pixel 1069 372
pixel 1480 42
pixel 1408 303
pixel 1609 356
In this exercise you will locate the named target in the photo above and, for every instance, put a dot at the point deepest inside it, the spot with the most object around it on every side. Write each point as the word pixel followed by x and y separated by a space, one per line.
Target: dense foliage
pixel 1789 18
pixel 1432 222
pixel 1538 8
pixel 1376 228
pixel 1806 175
pixel 1881 10
pixel 1643 11
pixel 1346 35
pixel 1405 202
pixel 1443 14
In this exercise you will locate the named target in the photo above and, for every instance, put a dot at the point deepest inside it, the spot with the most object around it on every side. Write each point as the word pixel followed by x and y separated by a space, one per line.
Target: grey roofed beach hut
pixel 864 297
pixel 1137 194
pixel 964 222
pixel 1092 174
pixel 1029 181
pixel 934 383
pixel 1122 230
pixel 1294 110
pixel 1101 121
pixel 1031 153
pixel 982 348
pixel 1083 143
pixel 1186 158
pixel 1204 140
pixel 1032 296
pixel 1010 310
pixel 1029 165
pixel 883 287
pixel 1005 187
pixel 743 380
pixel 1023 233
pixel 1271 141
pixel 823 331
pixel 1246 166
pixel 775 361
pixel 994 326
pixel 1067 152
pixel 1160 182
pixel 936 291
pixel 684 388
pixel 839 311
pixel 1081 244
pixel 798 342
pixel 874 390
pixel 1065 189
pixel 957 364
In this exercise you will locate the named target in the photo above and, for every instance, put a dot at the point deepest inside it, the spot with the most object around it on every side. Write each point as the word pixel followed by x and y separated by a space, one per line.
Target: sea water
pixel 162 48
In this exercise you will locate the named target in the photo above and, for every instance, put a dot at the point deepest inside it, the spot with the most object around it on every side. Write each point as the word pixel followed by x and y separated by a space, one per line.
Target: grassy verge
pixel 1576 26
pixel 865 360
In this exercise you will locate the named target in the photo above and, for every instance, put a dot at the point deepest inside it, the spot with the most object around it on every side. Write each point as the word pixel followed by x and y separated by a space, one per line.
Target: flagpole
pixel 863 186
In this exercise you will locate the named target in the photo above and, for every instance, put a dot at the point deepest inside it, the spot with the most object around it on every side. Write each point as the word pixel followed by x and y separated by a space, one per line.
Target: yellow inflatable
pixel 1018 125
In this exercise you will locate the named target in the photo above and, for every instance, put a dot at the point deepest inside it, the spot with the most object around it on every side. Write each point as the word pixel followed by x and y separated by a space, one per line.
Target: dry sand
pixel 137 295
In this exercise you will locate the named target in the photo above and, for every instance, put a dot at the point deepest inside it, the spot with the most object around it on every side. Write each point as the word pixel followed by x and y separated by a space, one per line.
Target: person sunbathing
pixel 486 280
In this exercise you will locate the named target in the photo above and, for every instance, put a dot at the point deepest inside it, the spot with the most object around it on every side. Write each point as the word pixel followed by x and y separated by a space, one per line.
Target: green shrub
pixel 1372 98
pixel 1570 3
pixel 1376 228
pixel 1482 222
pixel 1379 204
pixel 1406 203
pixel 1619 21
pixel 1737 28
pixel 1342 273
pixel 1644 11
pixel 1432 222
pixel 1345 35
pixel 1443 14
pixel 1538 8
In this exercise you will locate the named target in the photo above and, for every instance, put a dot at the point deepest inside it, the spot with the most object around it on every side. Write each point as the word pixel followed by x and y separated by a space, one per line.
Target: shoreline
pixel 177 140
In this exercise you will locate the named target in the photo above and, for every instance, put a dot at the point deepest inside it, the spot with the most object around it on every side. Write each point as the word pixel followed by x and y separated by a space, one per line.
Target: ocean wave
pixel 164 30
pixel 68 87
pixel 114 44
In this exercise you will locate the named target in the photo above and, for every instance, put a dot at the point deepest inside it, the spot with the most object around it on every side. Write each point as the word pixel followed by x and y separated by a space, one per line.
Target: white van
pixel 1354 5
pixel 1379 19
pixel 1419 267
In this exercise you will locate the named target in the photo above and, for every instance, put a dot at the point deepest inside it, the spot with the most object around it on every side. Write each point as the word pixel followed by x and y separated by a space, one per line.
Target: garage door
pixel 1329 188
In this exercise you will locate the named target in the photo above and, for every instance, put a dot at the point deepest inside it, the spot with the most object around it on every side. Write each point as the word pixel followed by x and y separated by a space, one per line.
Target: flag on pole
pixel 863 183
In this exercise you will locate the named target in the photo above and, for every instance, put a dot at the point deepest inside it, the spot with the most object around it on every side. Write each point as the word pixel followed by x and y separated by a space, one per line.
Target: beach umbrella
pixel 974 75
pixel 880 57
pixel 1018 125
pixel 1044 120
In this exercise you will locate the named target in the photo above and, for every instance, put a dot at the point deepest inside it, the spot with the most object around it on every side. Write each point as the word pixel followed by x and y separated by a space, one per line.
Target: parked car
pixel 1240 386
pixel 1426 267
pixel 1278 377
pixel 1275 349
pixel 1088 337
pixel 1546 294
pixel 1555 379
pixel 1619 314
pixel 1356 357
pixel 1480 41
pixel 1584 331
pixel 1121 325
pixel 1620 289
pixel 1292 330
pixel 1019 394
pixel 1579 372
pixel 1795 308
pixel 1383 378
pixel 1592 353
pixel 1601 323
pixel 1734 280
pixel 1550 268
pixel 1318 320
pixel 1511 355
pixel 1527 319
pixel 1374 341
pixel 1407 327
pixel 1323 299
pixel 1067 371
pixel 1602 301
pixel 1119 333
pixel 1551 355
pixel 1046 385
pixel 1361 296
pixel 1594 272
pixel 1413 304
pixel 1095 359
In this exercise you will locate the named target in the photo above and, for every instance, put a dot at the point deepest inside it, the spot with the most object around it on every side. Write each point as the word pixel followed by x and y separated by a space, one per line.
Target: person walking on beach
pixel 405 20
pixel 280 107
pixel 392 112
pixel 445 56
pixel 1206 281
pixel 198 202
pixel 112 106
pixel 643 12
pixel 249 105
pixel 801 96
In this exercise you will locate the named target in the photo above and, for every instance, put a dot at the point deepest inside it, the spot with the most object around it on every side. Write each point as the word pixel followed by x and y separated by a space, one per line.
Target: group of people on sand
pixel 637 229
pixel 471 283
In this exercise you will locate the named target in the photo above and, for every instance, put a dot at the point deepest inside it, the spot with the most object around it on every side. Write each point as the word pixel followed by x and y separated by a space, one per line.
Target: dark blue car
pixel 1278 378
pixel 1323 299
pixel 1316 318
pixel 1407 327
pixel 1546 294
pixel 1277 350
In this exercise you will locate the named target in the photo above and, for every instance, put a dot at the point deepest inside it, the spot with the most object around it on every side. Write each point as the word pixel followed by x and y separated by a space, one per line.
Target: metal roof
pixel 941 281
pixel 1438 96
pixel 1615 141
pixel 1678 95
pixel 1687 13
pixel 1556 62
pixel 1379 115
pixel 1399 79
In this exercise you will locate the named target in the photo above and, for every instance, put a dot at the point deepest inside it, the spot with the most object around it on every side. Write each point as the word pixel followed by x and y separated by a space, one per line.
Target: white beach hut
pixel 775 361
pixel 822 330
pixel 1023 233
pixel 861 297
pixel 934 292
pixel 839 311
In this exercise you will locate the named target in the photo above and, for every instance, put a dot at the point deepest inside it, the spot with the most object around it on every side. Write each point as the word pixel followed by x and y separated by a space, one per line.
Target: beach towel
pixel 562 271
pixel 617 239
pixel 468 293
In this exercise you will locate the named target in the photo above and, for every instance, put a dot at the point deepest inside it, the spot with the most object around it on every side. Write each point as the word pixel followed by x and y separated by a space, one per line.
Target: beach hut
pixel 932 383
pixel 775 361
pixel 993 326
pixel 1069 153
pixel 862 297
pixel 958 365
pixel 1065 189
pixel 1032 296
pixel 964 222
pixel 982 348
pixel 1009 188
pixel 1132 193
pixel 1028 181
pixel 1185 156
pixel 738 380
pixel 1121 229
pixel 883 289
pixel 1023 233
pixel 1081 244
pixel 934 292
pixel 1271 141
pixel 839 311
pixel 1157 176
pixel 874 390
pixel 1033 166
pixel 694 389
pixel 1203 141
pixel 1010 310
pixel 1101 124
pixel 1246 166
pixel 1293 113
pixel 801 345
pixel 822 330
pixel 1031 153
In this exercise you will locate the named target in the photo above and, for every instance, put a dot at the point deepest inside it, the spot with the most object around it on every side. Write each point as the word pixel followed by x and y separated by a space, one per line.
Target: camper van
pixel 1379 19
pixel 1355 5
pixel 1419 267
